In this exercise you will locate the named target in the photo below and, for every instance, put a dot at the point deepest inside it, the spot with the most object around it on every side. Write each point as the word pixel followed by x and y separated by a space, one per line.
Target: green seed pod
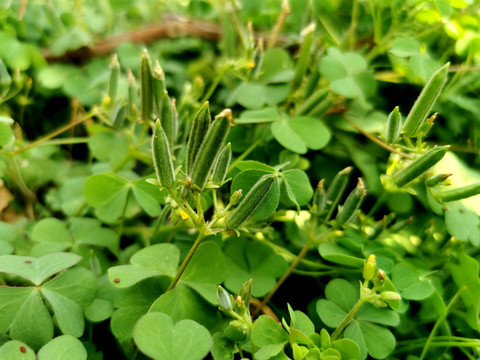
pixel 419 166
pixel 114 79
pixel 158 84
pixel 132 94
pixel 336 189
pixel 459 193
pixel 437 179
pixel 319 199
pixel 162 159
pixel 349 209
pixel 222 163
pixel 198 131
pixel 250 202
pixel 304 57
pixel 425 101
pixel 168 120
pixel 210 148
pixel 394 126
pixel 146 84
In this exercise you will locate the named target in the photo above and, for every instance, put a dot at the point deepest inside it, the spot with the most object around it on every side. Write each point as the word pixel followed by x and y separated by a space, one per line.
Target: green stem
pixel 347 319
pixel 161 218
pixel 284 277
pixel 214 84
pixel 438 322
pixel 201 235
pixel 244 154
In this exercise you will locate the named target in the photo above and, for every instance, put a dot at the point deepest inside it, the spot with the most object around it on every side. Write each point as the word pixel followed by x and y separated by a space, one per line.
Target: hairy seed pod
pixel 168 120
pixel 198 131
pixel 394 126
pixel 349 209
pixel 250 202
pixel 459 193
pixel 132 94
pixel 162 158
pixel 210 148
pixel 425 101
pixel 114 78
pixel 158 85
pixel 222 163
pixel 319 198
pixel 336 189
pixel 419 166
pixel 146 84
pixel 304 57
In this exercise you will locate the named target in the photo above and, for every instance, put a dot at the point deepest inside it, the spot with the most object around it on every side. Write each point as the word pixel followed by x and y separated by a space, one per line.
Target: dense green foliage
pixel 296 180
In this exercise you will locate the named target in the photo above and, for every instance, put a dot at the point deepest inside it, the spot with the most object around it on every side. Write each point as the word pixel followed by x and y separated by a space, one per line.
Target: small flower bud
pixel 390 296
pixel 235 197
pixel 379 279
pixel 369 268
pixel 223 298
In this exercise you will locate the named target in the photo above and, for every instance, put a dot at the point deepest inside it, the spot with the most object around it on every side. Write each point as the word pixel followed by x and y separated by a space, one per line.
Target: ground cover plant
pixel 265 180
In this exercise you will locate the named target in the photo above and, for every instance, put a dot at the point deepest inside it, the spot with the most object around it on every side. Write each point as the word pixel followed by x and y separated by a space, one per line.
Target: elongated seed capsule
pixel 319 198
pixel 419 166
pixel 336 190
pixel 349 209
pixel 167 119
pixel 162 158
pixel 222 163
pixel 394 126
pixel 250 202
pixel 146 85
pixel 198 131
pixel 210 148
pixel 158 83
pixel 459 193
pixel 304 57
pixel 132 94
pixel 114 79
pixel 425 101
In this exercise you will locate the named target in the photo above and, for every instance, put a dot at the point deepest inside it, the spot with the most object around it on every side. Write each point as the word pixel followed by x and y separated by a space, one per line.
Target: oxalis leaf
pixel 301 133
pixel 158 337
pixel 16 350
pixel 462 223
pixel 465 275
pixel 252 260
pixel 363 329
pixel 155 260
pixel 37 270
pixel 63 347
pixel 24 314
pixel 109 194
